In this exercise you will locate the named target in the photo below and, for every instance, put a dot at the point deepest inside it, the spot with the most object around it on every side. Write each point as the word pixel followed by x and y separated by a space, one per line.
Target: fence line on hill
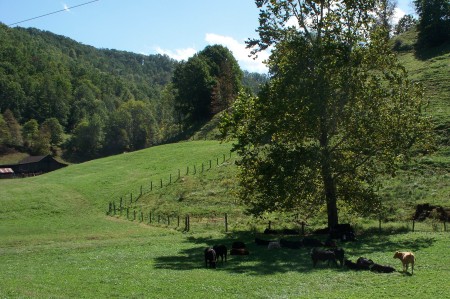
pixel 171 179
pixel 227 222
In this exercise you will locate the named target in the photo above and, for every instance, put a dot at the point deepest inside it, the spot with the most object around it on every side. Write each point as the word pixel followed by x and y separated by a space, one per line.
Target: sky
pixel 177 28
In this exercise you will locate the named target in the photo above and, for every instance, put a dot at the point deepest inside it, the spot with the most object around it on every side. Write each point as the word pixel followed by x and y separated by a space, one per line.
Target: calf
pixel 210 257
pixel 323 255
pixel 221 250
pixel 406 258
pixel 238 245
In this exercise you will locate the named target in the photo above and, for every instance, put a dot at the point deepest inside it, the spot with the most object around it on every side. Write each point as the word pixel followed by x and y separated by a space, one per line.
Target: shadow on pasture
pixel 260 261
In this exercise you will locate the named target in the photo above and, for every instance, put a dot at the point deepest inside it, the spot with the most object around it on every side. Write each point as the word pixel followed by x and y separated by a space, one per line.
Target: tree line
pixel 100 102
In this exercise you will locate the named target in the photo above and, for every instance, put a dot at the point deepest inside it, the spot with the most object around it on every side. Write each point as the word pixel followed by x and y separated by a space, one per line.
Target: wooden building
pixel 34 165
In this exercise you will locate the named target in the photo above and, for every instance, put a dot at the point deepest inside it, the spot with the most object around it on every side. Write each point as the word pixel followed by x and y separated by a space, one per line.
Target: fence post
pixel 151 185
pixel 413 225
pixel 121 204
pixel 303 227
pixel 134 213
pixel 209 164
pixel 149 217
pixel 195 169
pixel 142 216
pixel 203 167
pixel 114 207
pixel 141 190
pixel 223 158
pixel 128 213
pixel 170 179
pixel 161 183
pixel 168 220
pixel 226 222
pixel 110 208
pixel 178 225
pixel 217 161
pixel 187 170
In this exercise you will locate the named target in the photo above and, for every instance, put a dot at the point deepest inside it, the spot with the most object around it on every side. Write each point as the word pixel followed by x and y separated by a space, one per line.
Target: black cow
pixel 339 253
pixel 210 257
pixel 365 263
pixel 381 269
pixel 221 250
pixel 323 256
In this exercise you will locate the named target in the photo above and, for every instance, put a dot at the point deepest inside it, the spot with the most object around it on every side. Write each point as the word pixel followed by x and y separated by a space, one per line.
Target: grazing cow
pixel 381 269
pixel 311 242
pixel 364 263
pixel 406 258
pixel 210 257
pixel 323 255
pixel 291 244
pixel 262 242
pixel 221 250
pixel 274 245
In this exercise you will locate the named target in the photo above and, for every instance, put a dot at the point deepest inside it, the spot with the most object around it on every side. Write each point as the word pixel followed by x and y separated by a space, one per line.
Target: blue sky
pixel 178 28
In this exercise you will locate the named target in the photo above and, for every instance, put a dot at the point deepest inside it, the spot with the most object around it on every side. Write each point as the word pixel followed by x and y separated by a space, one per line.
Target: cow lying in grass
pixel 238 248
pixel 262 242
pixel 406 258
pixel 221 250
pixel 210 257
pixel 367 264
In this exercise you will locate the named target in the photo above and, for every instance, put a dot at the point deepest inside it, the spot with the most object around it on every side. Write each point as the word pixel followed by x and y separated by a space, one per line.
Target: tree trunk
pixel 330 195
pixel 327 177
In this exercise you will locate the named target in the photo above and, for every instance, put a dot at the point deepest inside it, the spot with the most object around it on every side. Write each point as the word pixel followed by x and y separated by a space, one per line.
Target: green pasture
pixel 56 240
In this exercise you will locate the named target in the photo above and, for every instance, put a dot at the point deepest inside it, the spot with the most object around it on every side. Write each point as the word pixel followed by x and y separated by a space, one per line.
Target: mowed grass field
pixel 56 240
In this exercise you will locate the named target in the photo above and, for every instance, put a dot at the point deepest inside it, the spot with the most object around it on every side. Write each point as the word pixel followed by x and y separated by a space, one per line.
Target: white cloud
pixel 240 52
pixel 66 7
pixel 398 14
pixel 178 54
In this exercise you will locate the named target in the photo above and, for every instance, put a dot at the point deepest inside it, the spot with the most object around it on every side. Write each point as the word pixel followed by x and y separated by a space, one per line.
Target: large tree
pixel 206 84
pixel 434 22
pixel 338 111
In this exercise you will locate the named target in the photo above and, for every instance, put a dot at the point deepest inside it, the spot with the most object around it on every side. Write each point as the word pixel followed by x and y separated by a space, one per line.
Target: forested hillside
pixel 56 93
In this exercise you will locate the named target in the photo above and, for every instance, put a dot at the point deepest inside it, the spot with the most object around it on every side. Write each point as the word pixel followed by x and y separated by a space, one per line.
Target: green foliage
pixel 338 112
pixel 206 84
pixel 406 23
pixel 14 137
pixel 434 22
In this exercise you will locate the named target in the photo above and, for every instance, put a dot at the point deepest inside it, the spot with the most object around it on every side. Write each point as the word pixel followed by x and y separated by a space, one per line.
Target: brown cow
pixel 406 258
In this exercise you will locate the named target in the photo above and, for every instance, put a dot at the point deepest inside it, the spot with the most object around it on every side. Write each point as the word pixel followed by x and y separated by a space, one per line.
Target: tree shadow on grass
pixel 262 261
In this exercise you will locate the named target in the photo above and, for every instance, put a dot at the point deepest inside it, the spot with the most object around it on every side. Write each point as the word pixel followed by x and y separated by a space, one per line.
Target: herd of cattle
pixel 326 251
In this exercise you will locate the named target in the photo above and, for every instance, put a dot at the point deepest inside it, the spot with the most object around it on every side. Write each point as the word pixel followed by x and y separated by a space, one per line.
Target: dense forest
pixel 62 97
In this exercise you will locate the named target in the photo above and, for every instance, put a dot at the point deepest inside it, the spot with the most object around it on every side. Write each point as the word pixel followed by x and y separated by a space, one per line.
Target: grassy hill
pixel 57 241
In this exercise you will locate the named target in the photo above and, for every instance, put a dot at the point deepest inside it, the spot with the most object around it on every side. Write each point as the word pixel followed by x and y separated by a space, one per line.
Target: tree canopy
pixel 337 113
pixel 206 84
pixel 434 22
